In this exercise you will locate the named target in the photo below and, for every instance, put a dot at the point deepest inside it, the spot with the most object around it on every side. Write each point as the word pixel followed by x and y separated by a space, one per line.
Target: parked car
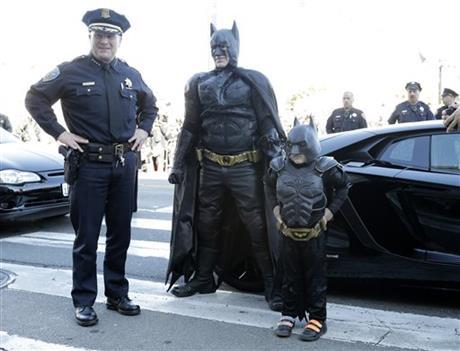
pixel 31 180
pixel 402 217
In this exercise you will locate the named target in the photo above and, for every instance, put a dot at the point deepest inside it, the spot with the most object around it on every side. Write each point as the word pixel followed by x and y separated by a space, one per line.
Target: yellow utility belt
pixel 229 160
pixel 299 234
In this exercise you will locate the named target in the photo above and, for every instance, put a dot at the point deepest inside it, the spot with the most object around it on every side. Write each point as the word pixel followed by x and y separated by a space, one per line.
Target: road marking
pixel 141 248
pixel 345 323
pixel 147 223
pixel 166 209
pixel 18 343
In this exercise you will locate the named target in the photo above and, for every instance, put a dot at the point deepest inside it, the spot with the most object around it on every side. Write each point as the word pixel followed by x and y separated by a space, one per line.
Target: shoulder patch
pixel 325 163
pixel 53 74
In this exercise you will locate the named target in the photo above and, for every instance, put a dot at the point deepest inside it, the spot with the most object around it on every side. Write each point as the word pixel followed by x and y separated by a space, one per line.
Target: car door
pixel 431 199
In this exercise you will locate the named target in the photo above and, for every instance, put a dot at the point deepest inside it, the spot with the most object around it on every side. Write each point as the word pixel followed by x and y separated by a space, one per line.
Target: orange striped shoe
pixel 313 330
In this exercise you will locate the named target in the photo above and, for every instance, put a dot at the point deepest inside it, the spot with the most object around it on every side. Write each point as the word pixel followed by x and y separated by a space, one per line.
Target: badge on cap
pixel 105 13
pixel 53 74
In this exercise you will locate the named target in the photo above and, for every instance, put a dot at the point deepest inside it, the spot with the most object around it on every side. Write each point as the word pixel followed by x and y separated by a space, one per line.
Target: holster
pixel 72 159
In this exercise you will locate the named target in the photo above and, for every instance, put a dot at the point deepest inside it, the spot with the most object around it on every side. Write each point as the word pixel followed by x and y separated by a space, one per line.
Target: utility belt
pixel 106 153
pixel 299 234
pixel 229 160
pixel 93 152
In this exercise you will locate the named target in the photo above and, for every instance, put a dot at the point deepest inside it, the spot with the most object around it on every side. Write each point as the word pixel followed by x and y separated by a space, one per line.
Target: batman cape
pixel 236 265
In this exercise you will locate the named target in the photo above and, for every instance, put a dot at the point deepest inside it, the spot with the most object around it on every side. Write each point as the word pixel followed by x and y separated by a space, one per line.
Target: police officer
pixel 101 96
pixel 346 118
pixel 411 110
pixel 5 123
pixel 448 99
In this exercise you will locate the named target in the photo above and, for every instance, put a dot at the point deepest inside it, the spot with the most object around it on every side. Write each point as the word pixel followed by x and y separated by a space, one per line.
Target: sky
pixel 315 48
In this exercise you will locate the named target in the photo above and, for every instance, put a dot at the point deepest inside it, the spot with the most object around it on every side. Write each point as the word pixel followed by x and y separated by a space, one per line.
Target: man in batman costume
pixel 307 189
pixel 230 132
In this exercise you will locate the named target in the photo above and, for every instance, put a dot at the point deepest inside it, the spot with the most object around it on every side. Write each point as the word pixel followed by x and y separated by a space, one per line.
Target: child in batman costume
pixel 306 189
pixel 231 131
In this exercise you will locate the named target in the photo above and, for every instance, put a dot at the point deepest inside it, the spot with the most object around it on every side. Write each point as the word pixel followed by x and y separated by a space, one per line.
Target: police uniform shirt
pixel 342 120
pixel 406 112
pixel 80 87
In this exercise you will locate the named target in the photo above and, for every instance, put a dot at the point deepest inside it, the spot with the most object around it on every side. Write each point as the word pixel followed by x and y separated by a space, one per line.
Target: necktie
pixel 112 88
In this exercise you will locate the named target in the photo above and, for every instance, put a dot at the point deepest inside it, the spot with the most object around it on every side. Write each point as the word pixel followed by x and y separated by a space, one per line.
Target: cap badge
pixel 105 13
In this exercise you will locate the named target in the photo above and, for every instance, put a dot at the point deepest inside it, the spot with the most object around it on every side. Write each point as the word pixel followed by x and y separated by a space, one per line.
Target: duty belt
pixel 106 153
pixel 229 160
pixel 299 234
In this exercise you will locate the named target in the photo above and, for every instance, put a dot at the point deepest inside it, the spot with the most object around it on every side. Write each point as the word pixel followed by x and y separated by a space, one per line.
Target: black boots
pixel 203 281
pixel 123 305
pixel 85 316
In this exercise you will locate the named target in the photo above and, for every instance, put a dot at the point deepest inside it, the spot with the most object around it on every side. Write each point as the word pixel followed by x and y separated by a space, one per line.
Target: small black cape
pixel 236 265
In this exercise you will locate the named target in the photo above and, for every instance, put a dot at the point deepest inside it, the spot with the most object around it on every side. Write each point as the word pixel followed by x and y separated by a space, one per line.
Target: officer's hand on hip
pixel 176 176
pixel 138 139
pixel 453 121
pixel 72 140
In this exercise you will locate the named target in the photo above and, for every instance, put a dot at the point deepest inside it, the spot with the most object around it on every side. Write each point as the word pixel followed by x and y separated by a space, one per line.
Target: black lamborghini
pixel 402 217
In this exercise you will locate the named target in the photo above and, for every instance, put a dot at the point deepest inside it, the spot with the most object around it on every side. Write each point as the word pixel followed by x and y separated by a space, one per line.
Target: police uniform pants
pixel 305 281
pixel 102 189
pixel 243 183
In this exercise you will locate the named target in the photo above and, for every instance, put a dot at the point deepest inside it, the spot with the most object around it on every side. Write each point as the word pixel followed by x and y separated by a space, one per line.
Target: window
pixel 445 153
pixel 411 152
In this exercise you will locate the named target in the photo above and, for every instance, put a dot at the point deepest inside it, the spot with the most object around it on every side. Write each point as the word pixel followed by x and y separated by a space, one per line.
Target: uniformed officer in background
pixel 450 105
pixel 101 96
pixel 5 123
pixel 346 118
pixel 411 110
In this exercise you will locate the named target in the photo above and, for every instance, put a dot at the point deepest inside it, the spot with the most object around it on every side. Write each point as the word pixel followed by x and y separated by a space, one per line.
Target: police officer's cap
pixel 450 92
pixel 413 86
pixel 106 21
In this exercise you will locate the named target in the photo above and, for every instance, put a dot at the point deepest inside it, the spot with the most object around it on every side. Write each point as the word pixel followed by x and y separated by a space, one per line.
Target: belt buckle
pixel 119 149
pixel 227 160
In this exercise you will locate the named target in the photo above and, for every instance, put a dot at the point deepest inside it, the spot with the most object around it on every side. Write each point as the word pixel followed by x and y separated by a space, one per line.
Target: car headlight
pixel 14 177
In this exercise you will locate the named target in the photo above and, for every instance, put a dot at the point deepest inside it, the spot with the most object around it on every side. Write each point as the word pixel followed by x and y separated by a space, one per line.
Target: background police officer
pixel 346 118
pixel 448 99
pixel 411 110
pixel 101 96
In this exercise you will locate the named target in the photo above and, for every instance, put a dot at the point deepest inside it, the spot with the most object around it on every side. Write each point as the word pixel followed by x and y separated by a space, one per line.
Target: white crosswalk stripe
pixel 141 248
pixel 17 343
pixel 346 323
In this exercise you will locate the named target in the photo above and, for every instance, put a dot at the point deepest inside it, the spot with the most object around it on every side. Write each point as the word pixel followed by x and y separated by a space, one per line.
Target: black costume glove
pixel 184 144
pixel 271 144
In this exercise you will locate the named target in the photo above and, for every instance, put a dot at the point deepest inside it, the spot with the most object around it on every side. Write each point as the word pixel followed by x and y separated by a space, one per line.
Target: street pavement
pixel 37 313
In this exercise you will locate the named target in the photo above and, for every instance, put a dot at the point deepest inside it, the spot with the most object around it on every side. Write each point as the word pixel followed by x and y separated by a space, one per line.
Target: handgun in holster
pixel 71 163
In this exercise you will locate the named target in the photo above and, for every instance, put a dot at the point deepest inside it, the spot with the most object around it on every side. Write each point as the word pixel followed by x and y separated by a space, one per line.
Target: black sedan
pixel 31 181
pixel 402 217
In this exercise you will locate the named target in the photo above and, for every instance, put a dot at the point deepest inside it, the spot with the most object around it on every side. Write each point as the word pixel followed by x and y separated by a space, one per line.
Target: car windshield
pixel 7 138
